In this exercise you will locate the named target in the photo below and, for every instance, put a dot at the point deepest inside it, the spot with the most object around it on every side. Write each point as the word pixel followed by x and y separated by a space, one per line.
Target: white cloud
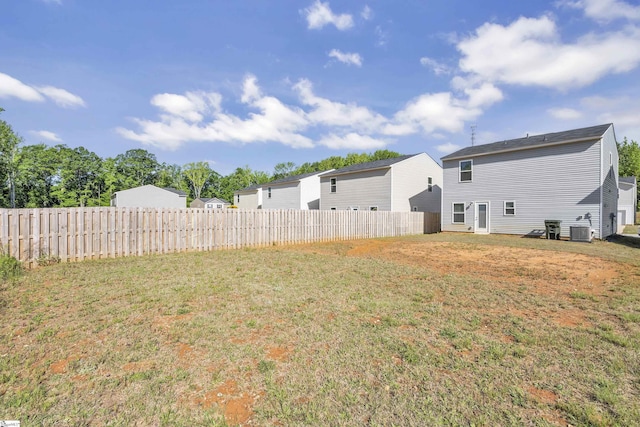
pixel 14 88
pixel 346 58
pixel 605 10
pixel 352 141
pixel 529 52
pixel 319 14
pixel 564 113
pixel 437 67
pixel 383 37
pixel 61 97
pixel 366 13
pixel 443 111
pixel 191 106
pixel 181 122
pixel 447 148
pixel 45 134
pixel 198 117
pixel 330 113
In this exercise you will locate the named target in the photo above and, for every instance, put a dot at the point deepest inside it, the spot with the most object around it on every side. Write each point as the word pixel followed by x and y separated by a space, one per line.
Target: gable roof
pixel 376 164
pixel 250 188
pixel 575 135
pixel 293 178
pixel 212 200
pixel 176 191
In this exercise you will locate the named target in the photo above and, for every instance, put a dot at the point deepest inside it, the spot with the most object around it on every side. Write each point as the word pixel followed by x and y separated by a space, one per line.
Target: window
pixel 373 208
pixel 458 213
pixel 353 208
pixel 269 192
pixel 509 208
pixel 209 205
pixel 238 198
pixel 430 184
pixel 465 170
pixel 219 206
pixel 334 184
pixel 415 209
pixel 334 208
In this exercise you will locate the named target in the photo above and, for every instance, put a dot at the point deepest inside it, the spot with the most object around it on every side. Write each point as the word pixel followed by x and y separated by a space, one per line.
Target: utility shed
pixel 628 201
pixel 513 186
pixel 150 196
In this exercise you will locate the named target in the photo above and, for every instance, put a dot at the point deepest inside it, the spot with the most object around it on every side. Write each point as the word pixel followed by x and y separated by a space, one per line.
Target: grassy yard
pixel 444 329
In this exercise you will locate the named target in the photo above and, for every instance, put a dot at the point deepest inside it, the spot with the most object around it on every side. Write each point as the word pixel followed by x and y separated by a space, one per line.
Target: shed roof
pixel 175 190
pixel 574 135
pixel 294 178
pixel 627 179
pixel 376 164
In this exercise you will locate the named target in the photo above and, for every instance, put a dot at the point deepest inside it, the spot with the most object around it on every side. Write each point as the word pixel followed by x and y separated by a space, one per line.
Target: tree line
pixel 42 176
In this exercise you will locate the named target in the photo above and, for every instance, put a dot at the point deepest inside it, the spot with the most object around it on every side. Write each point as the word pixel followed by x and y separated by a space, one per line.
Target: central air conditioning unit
pixel 580 233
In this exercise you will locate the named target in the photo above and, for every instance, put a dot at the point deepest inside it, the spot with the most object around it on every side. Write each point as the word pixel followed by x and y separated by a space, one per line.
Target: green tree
pixel 136 167
pixel 283 170
pixel 197 174
pixel 9 160
pixel 80 179
pixel 170 176
pixel 37 173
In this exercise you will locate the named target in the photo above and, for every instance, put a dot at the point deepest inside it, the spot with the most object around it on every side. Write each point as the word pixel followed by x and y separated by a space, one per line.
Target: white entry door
pixel 482 218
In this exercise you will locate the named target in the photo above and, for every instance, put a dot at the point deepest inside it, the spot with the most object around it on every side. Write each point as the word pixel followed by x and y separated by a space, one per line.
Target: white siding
pixel 560 182
pixel 362 189
pixel 310 192
pixel 410 182
pixel 148 196
pixel 627 203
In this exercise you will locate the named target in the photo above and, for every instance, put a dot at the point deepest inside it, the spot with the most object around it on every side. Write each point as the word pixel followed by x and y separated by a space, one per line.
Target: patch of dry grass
pixel 327 334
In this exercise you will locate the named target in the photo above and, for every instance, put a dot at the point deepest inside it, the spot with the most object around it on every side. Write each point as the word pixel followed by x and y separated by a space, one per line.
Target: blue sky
pixel 251 82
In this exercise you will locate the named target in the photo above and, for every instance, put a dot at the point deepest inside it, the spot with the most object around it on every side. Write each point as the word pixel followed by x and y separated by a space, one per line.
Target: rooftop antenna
pixel 473 134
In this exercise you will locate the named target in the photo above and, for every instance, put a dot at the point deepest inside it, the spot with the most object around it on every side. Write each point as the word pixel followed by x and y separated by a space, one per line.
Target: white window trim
pixel 373 208
pixel 469 171
pixel 268 192
pixel 504 208
pixel 430 184
pixel 333 185
pixel 453 213
pixel 353 208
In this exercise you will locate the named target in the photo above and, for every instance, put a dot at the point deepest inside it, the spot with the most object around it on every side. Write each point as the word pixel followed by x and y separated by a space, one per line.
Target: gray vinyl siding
pixel 283 196
pixel 148 196
pixel 557 182
pixel 609 179
pixel 409 184
pixel 363 189
pixel 249 200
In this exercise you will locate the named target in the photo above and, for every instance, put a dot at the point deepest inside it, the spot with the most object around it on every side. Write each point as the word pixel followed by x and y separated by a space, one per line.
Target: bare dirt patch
pixel 236 405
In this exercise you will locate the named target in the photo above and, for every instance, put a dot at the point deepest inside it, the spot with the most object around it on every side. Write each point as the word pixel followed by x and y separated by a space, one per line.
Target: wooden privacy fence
pixel 75 234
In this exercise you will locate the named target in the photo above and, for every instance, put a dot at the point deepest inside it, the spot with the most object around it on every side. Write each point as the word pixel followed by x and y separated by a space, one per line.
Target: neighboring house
pixel 211 203
pixel 628 200
pixel 513 186
pixel 401 184
pixel 293 192
pixel 150 196
pixel 248 198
